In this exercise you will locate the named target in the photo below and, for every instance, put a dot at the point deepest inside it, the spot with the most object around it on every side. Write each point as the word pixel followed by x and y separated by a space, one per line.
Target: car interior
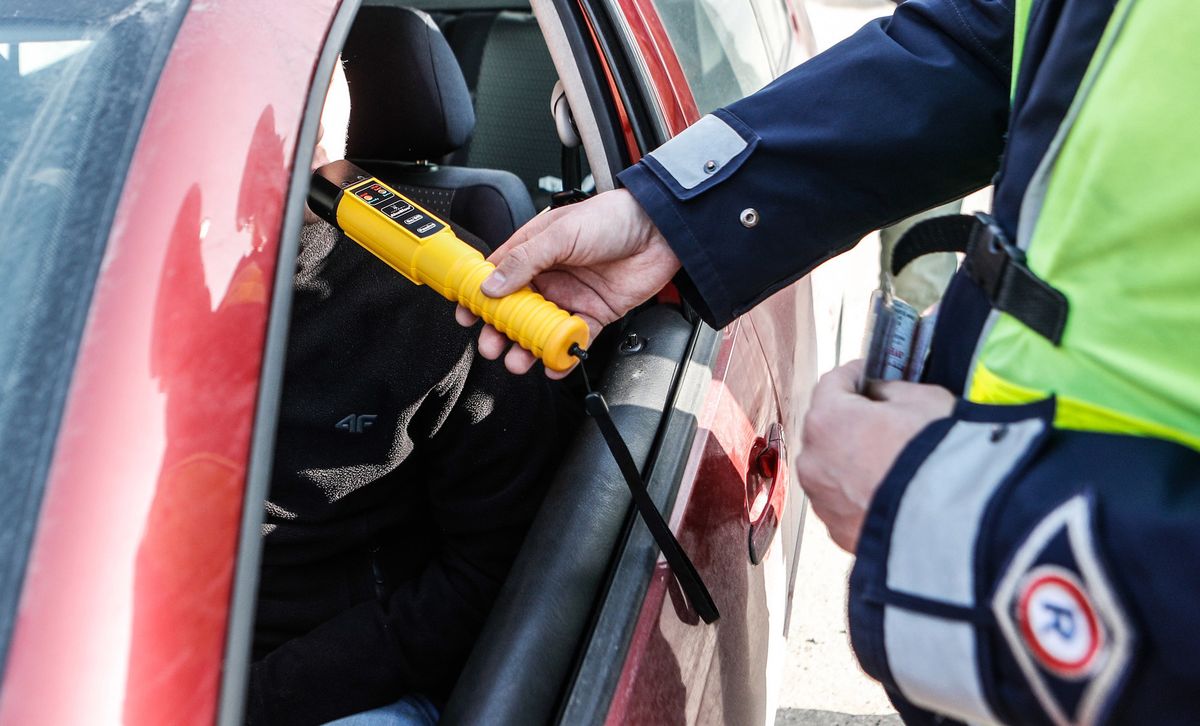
pixel 456 116
pixel 451 105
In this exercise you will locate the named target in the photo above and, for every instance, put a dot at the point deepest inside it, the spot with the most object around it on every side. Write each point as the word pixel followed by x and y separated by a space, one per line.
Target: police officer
pixel 1025 521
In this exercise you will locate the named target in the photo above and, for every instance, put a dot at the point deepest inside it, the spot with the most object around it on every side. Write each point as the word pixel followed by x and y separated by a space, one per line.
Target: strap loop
pixel 993 263
pixel 685 572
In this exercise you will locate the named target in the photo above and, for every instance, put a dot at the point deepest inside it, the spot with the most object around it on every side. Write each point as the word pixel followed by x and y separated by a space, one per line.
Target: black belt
pixel 993 263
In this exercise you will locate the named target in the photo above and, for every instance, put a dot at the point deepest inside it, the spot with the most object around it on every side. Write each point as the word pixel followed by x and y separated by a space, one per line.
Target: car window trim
pixel 596 15
pixel 645 84
pixel 240 633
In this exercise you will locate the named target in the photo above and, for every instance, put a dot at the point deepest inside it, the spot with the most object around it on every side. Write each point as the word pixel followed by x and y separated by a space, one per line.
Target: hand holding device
pixel 601 258
pixel 424 249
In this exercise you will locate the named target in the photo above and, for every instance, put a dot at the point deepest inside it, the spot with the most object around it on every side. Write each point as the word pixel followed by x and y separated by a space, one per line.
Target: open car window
pixel 720 47
pixel 75 78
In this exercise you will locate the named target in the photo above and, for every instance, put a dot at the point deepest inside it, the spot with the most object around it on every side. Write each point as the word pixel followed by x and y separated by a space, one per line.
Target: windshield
pixel 75 79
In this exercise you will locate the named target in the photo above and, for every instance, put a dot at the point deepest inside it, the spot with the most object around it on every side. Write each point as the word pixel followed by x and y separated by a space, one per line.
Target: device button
pixel 395 209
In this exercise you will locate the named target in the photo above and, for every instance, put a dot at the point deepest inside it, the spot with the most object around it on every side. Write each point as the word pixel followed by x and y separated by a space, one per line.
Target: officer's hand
pixel 851 441
pixel 599 258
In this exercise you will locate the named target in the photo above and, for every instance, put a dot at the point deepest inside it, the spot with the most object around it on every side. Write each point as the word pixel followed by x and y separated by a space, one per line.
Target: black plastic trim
pixel 574 26
pixel 527 653
pixel 655 120
pixel 240 635
pixel 324 195
pixel 622 72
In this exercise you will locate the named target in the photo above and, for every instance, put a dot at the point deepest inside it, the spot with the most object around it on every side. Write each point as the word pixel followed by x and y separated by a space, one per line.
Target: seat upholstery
pixel 409 104
pixel 511 76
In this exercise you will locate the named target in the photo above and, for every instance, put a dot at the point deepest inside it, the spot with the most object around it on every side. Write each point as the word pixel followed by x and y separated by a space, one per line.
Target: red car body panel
pixel 676 665
pixel 124 609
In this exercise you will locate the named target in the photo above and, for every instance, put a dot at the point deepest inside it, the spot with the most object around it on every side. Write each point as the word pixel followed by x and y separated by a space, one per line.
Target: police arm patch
pixel 1062 619
pixel 1058 622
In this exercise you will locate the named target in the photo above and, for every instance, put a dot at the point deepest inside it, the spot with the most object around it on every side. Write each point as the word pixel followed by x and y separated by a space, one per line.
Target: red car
pixel 154 161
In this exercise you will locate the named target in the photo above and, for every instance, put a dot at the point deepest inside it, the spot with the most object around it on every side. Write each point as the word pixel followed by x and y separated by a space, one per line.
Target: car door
pixel 726 475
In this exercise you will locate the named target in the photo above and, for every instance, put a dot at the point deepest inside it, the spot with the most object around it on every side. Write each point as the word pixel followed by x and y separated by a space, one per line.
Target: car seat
pixel 409 105
pixel 510 75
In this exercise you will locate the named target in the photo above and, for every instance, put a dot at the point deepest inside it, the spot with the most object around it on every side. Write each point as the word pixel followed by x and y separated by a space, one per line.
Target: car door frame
pixel 235 675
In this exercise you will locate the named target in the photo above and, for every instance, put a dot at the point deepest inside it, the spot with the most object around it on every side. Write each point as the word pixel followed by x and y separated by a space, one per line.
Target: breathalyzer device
pixel 424 249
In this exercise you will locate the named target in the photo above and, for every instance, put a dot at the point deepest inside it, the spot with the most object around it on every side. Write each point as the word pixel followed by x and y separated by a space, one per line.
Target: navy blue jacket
pixel 1008 571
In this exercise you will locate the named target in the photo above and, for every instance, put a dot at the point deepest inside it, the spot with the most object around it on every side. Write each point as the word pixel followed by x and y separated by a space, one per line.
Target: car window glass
pixel 75 79
pixel 719 47
pixel 776 29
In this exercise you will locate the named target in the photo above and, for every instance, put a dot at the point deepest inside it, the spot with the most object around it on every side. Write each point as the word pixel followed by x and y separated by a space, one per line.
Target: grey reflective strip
pixel 687 157
pixel 934 663
pixel 1035 193
pixel 933 536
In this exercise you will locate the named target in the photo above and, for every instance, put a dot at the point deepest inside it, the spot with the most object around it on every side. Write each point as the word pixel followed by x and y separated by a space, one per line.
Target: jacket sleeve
pixel 906 114
pixel 1012 572
pixel 490 440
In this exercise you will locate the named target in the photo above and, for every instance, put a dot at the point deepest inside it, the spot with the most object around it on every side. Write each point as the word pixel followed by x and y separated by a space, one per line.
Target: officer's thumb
pixel 520 264
pixel 921 398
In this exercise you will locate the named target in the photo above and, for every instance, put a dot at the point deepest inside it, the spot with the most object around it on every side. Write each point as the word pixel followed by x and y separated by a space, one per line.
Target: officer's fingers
pixel 836 408
pixel 519 360
pixel 900 391
pixel 558 375
pixel 465 317
pixel 492 343
pixel 530 229
pixel 845 377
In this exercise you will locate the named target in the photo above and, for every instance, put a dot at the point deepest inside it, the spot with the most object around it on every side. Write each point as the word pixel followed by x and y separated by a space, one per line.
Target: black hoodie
pixel 407 470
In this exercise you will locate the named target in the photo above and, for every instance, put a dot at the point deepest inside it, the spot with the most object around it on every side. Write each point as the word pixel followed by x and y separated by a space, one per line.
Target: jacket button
pixel 749 217
pixel 710 166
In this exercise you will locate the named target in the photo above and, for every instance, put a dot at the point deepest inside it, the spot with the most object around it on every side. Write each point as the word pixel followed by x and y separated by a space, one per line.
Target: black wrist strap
pixel 685 572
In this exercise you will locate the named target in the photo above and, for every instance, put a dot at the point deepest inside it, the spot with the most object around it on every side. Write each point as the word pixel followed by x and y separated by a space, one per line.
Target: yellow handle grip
pixel 527 318
pixel 425 250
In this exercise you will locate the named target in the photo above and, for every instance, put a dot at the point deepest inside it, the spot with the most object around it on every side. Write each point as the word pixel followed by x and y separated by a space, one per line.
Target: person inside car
pixel 406 472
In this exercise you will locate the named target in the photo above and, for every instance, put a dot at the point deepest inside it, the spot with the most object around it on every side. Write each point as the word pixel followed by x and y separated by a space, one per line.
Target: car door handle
pixel 766 490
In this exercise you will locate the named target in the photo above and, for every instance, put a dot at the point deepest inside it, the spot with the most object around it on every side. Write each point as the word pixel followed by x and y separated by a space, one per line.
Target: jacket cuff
pixel 667 180
pixel 704 155
pixel 919 610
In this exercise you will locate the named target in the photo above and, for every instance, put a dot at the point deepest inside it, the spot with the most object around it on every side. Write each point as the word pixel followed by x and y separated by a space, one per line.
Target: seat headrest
pixel 408 99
